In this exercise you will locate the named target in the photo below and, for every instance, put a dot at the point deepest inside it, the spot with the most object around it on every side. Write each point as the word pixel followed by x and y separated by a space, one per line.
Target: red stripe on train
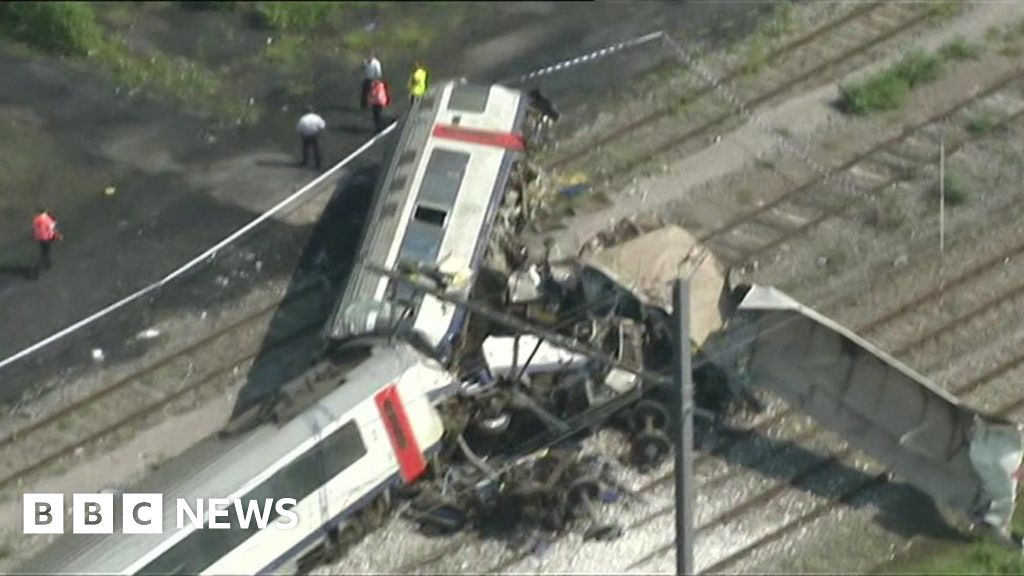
pixel 500 139
pixel 410 459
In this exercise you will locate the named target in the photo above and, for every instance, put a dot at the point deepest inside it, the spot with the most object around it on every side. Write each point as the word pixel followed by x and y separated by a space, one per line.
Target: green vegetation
pixel 959 49
pixel 980 122
pixel 981 558
pixel 758 44
pixel 955 191
pixel 888 88
pixel 917 67
pixel 945 10
pixel 71 29
pixel 294 16
pixel 982 555
pixel 66 28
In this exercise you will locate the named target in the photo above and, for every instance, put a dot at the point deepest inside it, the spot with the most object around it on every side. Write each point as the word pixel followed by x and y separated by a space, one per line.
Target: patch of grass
pixel 980 122
pixel 956 189
pixel 757 45
pixel 877 92
pixel 411 35
pixel 888 88
pixel 917 67
pixel 356 43
pixel 984 555
pixel 287 51
pixel 959 49
pixel 293 16
pixel 944 10
pixel 756 54
pixel 67 28
pixel 889 213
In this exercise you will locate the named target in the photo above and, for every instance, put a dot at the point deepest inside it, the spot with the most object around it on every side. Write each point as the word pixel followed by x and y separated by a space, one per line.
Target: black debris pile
pixel 555 491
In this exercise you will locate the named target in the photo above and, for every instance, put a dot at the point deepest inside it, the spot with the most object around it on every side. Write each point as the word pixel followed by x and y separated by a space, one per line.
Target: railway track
pixel 841 42
pixel 86 421
pixel 792 214
pixel 667 111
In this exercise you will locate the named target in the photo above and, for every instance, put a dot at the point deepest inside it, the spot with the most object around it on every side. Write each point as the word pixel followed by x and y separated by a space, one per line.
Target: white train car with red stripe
pixel 337 460
pixel 434 208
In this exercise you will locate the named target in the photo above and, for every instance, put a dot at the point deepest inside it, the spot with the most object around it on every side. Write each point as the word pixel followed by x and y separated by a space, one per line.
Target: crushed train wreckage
pixel 527 397
pixel 544 350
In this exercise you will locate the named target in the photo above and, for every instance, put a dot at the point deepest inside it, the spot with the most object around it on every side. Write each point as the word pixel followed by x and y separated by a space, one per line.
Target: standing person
pixel 44 230
pixel 417 82
pixel 371 71
pixel 380 98
pixel 310 126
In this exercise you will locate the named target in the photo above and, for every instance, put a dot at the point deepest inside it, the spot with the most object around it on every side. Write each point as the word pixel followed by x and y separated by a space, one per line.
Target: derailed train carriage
pixel 376 423
pixel 336 458
pixel 434 210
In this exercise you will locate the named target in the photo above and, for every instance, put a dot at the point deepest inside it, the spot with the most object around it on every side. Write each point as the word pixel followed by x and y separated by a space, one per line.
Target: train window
pixel 443 177
pixel 430 215
pixel 201 548
pixel 469 98
pixel 422 242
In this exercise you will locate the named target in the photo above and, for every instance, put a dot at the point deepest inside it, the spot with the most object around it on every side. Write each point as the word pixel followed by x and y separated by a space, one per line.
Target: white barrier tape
pixel 208 254
pixel 594 55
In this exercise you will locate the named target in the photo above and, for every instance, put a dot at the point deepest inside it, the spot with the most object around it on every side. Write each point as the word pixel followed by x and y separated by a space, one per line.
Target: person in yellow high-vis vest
pixel 417 83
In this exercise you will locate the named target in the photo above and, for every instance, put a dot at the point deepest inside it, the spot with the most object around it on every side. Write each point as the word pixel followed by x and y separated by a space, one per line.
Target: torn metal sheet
pixel 524 286
pixel 502 356
pixel 648 265
pixel 961 458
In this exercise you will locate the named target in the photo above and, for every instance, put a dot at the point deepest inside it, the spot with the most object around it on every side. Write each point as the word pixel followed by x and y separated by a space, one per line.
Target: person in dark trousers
pixel 44 230
pixel 371 71
pixel 310 126
pixel 380 98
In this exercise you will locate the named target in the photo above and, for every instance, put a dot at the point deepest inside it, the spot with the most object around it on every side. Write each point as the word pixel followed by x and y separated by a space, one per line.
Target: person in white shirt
pixel 371 71
pixel 310 126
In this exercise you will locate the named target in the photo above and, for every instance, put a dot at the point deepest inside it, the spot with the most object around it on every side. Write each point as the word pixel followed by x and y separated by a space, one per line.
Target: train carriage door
pixel 411 462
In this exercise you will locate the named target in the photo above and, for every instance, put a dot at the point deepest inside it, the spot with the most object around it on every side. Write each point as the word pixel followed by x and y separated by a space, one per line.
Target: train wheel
pixel 350 533
pixel 650 448
pixel 648 415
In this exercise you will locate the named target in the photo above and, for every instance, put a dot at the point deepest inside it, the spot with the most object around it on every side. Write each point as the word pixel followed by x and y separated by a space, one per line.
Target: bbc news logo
pixel 143 513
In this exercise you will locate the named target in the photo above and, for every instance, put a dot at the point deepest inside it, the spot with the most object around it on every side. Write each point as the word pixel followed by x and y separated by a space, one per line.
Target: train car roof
pixel 470 106
pixel 219 468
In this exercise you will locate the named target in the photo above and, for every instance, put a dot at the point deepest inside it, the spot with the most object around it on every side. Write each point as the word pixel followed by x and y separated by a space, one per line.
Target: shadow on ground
pixel 293 339
pixel 909 513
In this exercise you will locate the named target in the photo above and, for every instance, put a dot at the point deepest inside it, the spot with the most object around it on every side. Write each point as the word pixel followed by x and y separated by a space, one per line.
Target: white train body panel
pixel 435 206
pixel 333 459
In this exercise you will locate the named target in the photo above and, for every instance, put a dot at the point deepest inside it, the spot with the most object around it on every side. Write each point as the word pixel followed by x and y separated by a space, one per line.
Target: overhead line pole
pixel 683 376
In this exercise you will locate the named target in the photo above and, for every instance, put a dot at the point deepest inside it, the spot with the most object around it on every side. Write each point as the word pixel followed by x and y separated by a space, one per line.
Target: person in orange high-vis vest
pixel 379 98
pixel 44 230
